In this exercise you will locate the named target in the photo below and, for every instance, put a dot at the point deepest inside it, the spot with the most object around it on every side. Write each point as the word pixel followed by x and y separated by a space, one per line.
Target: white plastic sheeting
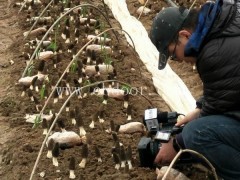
pixel 168 84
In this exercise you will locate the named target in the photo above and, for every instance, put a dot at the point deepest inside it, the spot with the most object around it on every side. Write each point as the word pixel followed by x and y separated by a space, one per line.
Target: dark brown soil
pixel 20 142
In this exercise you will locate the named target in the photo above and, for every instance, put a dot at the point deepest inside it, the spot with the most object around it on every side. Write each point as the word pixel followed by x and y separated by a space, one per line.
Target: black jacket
pixel 218 63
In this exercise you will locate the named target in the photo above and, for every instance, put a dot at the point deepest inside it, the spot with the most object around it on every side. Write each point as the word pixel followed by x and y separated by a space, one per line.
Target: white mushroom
pixel 65 139
pixel 131 127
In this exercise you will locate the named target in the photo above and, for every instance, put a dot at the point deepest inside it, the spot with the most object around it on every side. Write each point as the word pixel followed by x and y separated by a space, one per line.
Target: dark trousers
pixel 218 139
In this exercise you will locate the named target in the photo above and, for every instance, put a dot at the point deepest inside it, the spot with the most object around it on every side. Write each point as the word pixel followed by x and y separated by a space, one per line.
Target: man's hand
pixel 166 153
pixel 189 117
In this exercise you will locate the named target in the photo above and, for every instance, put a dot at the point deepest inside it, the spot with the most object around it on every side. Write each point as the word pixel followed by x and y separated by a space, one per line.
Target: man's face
pixel 176 49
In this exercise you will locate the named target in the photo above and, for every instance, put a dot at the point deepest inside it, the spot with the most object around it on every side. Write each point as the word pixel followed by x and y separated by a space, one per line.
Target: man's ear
pixel 184 33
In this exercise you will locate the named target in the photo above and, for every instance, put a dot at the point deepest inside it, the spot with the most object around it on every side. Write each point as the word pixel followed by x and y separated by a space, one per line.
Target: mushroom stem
pixel 129 164
pixel 73 121
pixel 72 174
pixel 101 120
pixel 82 131
pixel 49 154
pixel 104 101
pixel 125 104
pixel 84 95
pixel 66 92
pixel 83 163
pixel 117 166
pixel 123 164
pixel 92 125
pixel 36 88
pixel 60 96
pixel 45 131
pixel 55 161
pixel 80 96
pixel 23 93
pixel 99 159
pixel 55 100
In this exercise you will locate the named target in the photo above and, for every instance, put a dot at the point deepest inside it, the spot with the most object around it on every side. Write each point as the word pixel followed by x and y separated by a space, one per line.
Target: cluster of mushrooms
pixel 47 81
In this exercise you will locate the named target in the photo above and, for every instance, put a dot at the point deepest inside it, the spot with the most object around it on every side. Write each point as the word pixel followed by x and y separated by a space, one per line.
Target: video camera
pixel 161 127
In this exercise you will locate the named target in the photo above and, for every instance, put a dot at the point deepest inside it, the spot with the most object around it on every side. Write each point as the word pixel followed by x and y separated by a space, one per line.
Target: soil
pixel 20 142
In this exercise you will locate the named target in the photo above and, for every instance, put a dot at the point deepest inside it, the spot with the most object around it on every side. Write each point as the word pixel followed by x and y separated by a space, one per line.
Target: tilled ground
pixel 20 143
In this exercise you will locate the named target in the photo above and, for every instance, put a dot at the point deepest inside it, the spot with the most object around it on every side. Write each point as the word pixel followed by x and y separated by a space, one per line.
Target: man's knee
pixel 192 135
